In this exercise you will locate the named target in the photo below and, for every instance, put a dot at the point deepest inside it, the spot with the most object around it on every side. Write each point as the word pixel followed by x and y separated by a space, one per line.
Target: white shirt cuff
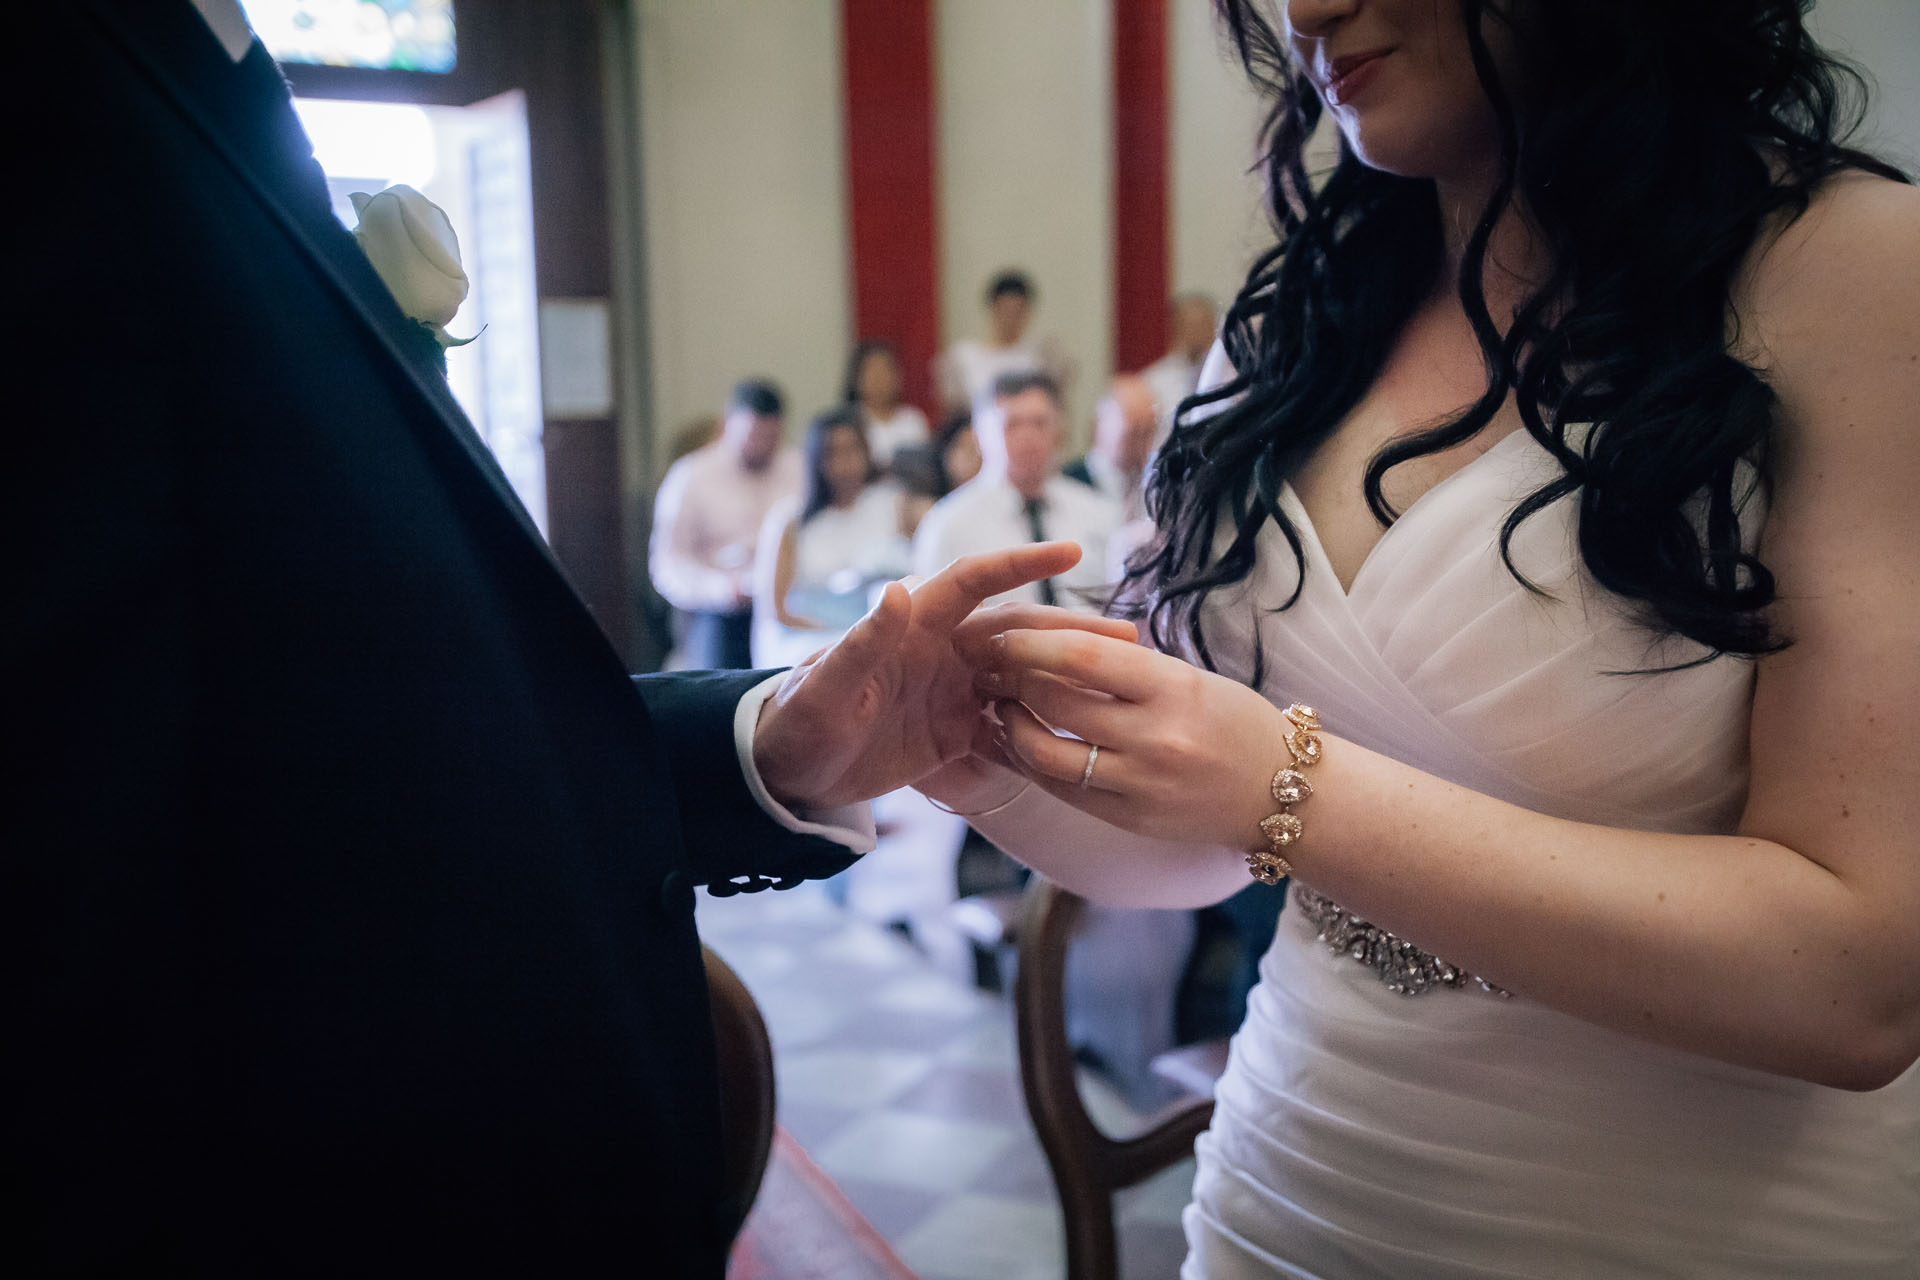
pixel 850 824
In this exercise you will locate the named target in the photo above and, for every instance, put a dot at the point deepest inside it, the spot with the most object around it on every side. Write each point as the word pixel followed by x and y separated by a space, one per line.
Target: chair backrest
pixel 746 1085
pixel 1088 1165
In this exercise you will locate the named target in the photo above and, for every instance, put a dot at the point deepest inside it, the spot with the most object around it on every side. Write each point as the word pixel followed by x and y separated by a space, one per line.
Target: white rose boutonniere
pixel 410 242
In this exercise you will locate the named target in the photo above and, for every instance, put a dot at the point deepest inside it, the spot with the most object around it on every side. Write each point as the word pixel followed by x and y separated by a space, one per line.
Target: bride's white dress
pixel 1460 1133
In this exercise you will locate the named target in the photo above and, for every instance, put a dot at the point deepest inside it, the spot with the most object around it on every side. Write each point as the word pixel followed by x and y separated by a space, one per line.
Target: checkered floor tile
pixel 900 1081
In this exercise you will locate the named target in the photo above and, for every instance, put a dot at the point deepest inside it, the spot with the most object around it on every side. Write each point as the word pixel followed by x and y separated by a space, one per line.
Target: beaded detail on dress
pixel 1403 968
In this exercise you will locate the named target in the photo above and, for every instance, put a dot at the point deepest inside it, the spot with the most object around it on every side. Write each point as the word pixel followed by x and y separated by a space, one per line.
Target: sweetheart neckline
pixel 1309 533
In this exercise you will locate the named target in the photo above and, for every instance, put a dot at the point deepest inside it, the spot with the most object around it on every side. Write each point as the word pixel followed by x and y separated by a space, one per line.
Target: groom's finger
pixel 845 668
pixel 957 590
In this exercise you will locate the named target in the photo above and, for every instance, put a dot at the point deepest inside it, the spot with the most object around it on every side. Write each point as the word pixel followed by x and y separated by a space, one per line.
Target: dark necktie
pixel 1038 531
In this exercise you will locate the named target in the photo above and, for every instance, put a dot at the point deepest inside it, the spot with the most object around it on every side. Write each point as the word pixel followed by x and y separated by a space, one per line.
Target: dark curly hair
pixel 817 495
pixel 1649 160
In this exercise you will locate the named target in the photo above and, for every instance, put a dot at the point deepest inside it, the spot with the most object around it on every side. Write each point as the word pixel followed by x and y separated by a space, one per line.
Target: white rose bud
pixel 410 242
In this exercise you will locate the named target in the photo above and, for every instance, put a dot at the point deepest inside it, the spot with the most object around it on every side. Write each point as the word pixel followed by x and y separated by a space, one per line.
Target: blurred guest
pixel 1020 496
pixel 929 472
pixel 1124 425
pixel 959 450
pixel 824 551
pixel 664 628
pixel 707 522
pixel 1174 375
pixel 967 371
pixel 874 386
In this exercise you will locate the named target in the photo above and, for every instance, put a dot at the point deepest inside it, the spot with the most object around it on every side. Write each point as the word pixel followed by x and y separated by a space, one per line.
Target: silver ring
pixel 1086 774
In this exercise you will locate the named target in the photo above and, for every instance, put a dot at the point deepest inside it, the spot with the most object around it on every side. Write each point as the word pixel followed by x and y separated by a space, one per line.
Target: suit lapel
pixel 306 216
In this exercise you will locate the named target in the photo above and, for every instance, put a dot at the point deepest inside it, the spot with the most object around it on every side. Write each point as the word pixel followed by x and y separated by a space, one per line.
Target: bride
pixel 1539 584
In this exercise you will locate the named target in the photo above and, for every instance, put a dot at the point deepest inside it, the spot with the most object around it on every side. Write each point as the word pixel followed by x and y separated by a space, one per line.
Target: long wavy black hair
pixel 1649 153
pixel 817 494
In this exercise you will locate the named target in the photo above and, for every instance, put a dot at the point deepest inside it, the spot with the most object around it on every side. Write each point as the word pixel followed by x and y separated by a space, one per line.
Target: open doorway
pixel 472 161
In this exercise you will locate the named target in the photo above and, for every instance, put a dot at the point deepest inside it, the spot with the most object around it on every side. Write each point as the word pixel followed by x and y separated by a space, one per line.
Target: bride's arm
pixel 1082 853
pixel 1792 946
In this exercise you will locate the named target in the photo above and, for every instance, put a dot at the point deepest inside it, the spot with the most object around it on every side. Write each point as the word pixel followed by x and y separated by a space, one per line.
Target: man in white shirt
pixel 966 372
pixel 1020 496
pixel 706 525
pixel 1124 425
pixel 1175 375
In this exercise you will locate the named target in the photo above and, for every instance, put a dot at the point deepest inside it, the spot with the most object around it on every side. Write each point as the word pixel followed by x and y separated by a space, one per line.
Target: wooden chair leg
pixel 1088 1166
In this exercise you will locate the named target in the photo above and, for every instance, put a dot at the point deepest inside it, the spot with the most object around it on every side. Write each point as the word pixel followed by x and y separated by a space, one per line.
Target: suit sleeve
pixel 733 844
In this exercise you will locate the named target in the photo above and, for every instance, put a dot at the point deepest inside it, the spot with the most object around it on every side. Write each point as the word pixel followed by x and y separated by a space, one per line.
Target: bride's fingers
pixel 972 636
pixel 1107 663
pixel 1045 756
pixel 1086 713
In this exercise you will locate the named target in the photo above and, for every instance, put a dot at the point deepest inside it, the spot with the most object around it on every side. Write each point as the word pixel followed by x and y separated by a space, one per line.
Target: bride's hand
pixel 984 779
pixel 1184 754
pixel 891 702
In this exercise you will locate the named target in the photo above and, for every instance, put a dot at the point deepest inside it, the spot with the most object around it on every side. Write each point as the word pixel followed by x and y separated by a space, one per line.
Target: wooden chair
pixel 746 1085
pixel 1089 1167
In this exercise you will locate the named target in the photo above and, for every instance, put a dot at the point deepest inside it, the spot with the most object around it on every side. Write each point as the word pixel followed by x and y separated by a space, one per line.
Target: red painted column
pixel 891 196
pixel 1140 127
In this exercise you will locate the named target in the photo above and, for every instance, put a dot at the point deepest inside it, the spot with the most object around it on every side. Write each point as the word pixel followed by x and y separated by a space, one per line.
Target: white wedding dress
pixel 1459 1133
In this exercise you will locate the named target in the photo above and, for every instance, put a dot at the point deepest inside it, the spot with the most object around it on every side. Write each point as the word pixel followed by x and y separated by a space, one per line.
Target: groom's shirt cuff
pixel 850 824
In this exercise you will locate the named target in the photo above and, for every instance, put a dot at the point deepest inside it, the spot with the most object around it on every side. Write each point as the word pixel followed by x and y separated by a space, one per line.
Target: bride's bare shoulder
pixel 1828 313
pixel 1851 258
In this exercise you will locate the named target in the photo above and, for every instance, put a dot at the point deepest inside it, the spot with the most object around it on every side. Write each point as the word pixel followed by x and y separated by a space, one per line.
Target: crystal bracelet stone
pixel 1289 787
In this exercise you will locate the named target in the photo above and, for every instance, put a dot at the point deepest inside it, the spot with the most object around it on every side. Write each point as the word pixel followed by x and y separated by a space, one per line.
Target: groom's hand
pixel 891 701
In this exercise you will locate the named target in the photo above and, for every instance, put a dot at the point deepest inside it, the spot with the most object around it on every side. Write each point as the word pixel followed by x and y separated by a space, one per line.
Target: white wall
pixel 1882 37
pixel 744 180
pixel 1025 168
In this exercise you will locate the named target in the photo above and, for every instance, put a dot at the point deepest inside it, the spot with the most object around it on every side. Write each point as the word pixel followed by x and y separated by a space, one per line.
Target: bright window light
pixel 383 141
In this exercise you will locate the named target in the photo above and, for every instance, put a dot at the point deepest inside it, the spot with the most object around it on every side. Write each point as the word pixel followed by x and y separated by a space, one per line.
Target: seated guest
pixel 825 551
pixel 1124 425
pixel 1020 496
pixel 1175 375
pixel 706 525
pixel 931 471
pixel 966 372
pixel 874 386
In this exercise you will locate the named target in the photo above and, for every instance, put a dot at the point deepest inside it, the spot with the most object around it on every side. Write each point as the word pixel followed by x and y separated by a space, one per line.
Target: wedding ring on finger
pixel 1086 774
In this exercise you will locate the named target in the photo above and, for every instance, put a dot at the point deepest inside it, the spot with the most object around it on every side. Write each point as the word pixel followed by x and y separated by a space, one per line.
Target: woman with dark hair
pixel 1560 462
pixel 931 471
pixel 823 553
pixel 874 386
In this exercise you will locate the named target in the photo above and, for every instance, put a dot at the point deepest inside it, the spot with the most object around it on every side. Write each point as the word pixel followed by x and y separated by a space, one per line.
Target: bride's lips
pixel 1347 76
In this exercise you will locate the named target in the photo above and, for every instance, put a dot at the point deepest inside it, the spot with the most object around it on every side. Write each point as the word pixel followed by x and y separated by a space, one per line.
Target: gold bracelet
pixel 1289 787
pixel 981 813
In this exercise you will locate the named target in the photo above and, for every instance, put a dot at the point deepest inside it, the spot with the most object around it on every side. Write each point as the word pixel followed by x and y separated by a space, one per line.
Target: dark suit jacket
pixel 358 875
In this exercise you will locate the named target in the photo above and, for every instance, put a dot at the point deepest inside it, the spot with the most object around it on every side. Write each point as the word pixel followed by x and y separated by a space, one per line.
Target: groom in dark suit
pixel 356 875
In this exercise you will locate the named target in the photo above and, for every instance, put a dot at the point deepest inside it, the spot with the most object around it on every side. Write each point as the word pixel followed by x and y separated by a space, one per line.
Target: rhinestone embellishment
pixel 1290 786
pixel 1402 968
pixel 1281 828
